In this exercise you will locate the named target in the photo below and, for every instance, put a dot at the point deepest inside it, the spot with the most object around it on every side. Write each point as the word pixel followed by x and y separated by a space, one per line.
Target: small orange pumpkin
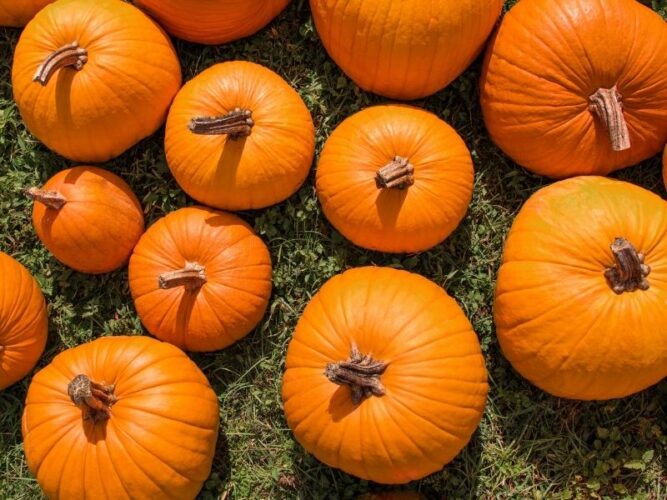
pixel 88 218
pixel 395 179
pixel 23 321
pixel 17 13
pixel 91 79
pixel 200 279
pixel 120 417
pixel 239 137
pixel 384 376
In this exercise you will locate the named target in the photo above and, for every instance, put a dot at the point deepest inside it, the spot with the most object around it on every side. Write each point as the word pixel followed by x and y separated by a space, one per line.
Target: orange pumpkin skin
pixel 213 21
pixel 434 378
pixel 129 75
pixel 405 218
pixel 16 14
pixel 255 171
pixel 538 95
pixel 88 218
pixel 404 49
pixel 157 440
pixel 559 321
pixel 200 279
pixel 23 321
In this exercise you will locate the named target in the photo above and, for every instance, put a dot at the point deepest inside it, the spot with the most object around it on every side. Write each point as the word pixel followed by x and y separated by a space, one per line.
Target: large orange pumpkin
pixel 239 137
pixel 93 78
pixel 120 417
pixel 384 376
pixel 88 218
pixel 213 21
pixel 404 49
pixel 17 13
pixel 200 279
pixel 395 178
pixel 574 87
pixel 23 321
pixel 582 291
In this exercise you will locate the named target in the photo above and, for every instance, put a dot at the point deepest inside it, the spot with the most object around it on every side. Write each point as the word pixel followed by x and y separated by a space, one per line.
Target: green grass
pixel 529 445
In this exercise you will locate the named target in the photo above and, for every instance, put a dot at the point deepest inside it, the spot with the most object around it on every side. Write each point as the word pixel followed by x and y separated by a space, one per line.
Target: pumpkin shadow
pixel 228 164
pixel 389 204
pixel 95 432
pixel 341 405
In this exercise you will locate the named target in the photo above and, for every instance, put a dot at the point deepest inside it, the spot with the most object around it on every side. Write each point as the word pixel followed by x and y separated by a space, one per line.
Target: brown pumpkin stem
pixel 192 277
pixel 68 55
pixel 607 104
pixel 630 272
pixel 399 174
pixel 236 124
pixel 94 399
pixel 52 199
pixel 361 373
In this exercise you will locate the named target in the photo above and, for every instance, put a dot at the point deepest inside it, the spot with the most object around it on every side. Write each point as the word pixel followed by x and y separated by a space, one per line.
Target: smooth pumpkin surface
pixel 23 321
pixel 17 13
pixel 395 178
pixel 200 279
pixel 404 49
pixel 548 95
pixel 120 417
pixel 559 320
pixel 88 218
pixel 128 75
pixel 422 404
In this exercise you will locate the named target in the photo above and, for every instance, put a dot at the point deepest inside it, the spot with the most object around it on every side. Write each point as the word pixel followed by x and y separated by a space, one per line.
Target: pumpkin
pixel 17 13
pixel 395 178
pixel 581 293
pixel 392 495
pixel 384 376
pixel 404 49
pixel 91 79
pixel 664 166
pixel 239 137
pixel 23 321
pixel 213 21
pixel 88 218
pixel 573 88
pixel 120 417
pixel 200 279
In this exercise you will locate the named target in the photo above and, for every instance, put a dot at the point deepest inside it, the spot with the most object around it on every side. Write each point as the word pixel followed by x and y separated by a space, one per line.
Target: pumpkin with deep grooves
pixel 17 13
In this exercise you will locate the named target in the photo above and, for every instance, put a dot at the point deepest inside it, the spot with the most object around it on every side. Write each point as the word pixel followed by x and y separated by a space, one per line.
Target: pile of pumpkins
pixel 384 376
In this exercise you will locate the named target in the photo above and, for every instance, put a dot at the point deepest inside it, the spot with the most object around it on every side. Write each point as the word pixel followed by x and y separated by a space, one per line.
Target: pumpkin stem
pixel 607 104
pixel 630 272
pixel 68 55
pixel 192 277
pixel 52 199
pixel 94 399
pixel 361 373
pixel 236 124
pixel 399 174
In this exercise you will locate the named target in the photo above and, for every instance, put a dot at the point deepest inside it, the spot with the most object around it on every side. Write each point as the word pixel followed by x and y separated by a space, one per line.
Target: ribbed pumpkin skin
pixel 213 21
pixel 23 321
pixel 436 381
pixel 404 49
pixel 17 13
pixel 97 228
pixel 549 57
pixel 558 321
pixel 232 301
pixel 394 220
pixel 158 442
pixel 120 96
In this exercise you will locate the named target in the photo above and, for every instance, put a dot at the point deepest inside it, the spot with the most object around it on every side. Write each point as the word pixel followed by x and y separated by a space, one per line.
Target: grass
pixel 530 445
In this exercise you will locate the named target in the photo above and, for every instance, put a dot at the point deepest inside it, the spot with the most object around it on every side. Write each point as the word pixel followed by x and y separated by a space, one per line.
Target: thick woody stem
pixel 192 277
pixel 52 199
pixel 70 55
pixel 607 104
pixel 361 373
pixel 94 399
pixel 399 174
pixel 630 272
pixel 236 124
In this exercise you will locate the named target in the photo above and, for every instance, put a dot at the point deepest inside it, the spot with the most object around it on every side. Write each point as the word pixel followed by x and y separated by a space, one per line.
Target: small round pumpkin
pixel 91 79
pixel 574 88
pixel 88 218
pixel 581 293
pixel 200 279
pixel 120 417
pixel 395 178
pixel 239 137
pixel 17 13
pixel 23 321
pixel 384 376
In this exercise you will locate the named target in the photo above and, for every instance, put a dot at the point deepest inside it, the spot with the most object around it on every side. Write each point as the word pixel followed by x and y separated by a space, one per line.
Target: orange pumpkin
pixel 88 218
pixel 572 87
pixel 91 79
pixel 17 13
pixel 580 300
pixel 200 279
pixel 120 417
pixel 239 137
pixel 213 21
pixel 392 495
pixel 384 376
pixel 395 179
pixel 404 49
pixel 23 321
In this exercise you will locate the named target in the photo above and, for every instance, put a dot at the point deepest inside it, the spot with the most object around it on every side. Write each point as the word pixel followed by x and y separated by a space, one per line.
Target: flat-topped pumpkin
pixel 17 13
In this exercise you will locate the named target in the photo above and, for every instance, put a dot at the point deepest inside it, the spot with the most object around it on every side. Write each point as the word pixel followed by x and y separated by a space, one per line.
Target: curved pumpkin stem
pixel 94 399
pixel 52 199
pixel 236 124
pixel 70 55
pixel 361 373
pixel 192 277
pixel 399 174
pixel 630 272
pixel 607 104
